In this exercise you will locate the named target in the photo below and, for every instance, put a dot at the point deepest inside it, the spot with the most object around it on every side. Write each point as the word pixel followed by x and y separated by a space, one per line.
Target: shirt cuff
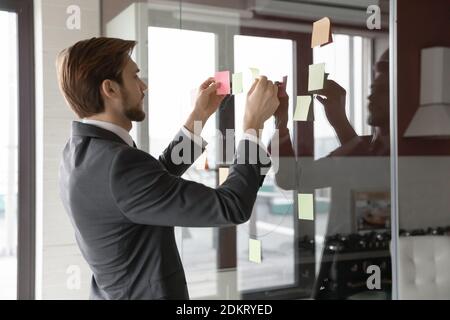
pixel 255 139
pixel 197 139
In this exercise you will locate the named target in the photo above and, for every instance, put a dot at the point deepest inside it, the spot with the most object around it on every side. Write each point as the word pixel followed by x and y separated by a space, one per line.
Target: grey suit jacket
pixel 123 204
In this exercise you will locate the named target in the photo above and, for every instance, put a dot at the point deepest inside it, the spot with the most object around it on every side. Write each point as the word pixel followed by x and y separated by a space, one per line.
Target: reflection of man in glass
pixel 360 163
pixel 378 107
pixel 333 99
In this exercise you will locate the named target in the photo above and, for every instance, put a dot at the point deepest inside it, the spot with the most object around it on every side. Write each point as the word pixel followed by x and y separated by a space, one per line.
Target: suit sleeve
pixel 148 194
pixel 181 153
pixel 287 175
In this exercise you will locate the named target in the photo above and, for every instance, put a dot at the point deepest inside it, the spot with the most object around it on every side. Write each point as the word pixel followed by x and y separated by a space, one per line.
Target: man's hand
pixel 334 105
pixel 262 102
pixel 333 102
pixel 206 104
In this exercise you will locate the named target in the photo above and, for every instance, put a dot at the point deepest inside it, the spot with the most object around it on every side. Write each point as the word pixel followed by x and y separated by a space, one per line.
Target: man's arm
pixel 147 194
pixel 182 152
pixel 187 145
pixel 287 175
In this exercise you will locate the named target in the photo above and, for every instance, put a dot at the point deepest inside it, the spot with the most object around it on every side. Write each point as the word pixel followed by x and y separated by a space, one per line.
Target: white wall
pixel 56 248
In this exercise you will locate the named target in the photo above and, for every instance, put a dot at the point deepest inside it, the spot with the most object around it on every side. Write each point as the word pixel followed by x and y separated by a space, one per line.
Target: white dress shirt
pixel 114 128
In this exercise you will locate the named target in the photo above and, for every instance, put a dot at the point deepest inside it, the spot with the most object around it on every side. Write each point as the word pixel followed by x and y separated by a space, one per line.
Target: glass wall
pixel 339 158
pixel 355 206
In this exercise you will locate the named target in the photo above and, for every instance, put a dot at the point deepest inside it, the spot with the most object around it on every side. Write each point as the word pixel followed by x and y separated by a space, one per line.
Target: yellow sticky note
pixel 316 76
pixel 223 175
pixel 254 250
pixel 237 82
pixel 255 73
pixel 202 162
pixel 305 206
pixel 302 108
pixel 321 34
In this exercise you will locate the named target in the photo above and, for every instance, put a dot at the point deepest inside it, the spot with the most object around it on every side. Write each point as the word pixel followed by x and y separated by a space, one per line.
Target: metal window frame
pixel 394 145
pixel 26 150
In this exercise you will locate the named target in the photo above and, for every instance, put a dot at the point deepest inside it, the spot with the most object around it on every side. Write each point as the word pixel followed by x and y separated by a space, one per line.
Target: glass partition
pixel 337 160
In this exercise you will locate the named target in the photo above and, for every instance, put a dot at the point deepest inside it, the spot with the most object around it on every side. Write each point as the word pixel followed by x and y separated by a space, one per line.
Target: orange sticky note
pixel 321 34
pixel 223 77
pixel 223 175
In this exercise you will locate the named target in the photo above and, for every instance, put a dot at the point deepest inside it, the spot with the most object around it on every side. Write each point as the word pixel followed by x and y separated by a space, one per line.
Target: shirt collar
pixel 118 130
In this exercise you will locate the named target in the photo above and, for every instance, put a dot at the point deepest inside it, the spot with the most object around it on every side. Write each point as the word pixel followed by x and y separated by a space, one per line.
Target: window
pixel 173 80
pixel 272 220
pixel 9 158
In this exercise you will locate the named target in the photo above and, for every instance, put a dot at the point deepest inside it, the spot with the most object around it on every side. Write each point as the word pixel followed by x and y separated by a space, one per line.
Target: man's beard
pixel 133 113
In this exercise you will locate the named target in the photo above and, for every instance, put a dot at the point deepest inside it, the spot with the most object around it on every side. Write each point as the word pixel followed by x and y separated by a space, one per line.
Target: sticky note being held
pixel 254 250
pixel 316 76
pixel 223 77
pixel 302 108
pixel 321 34
pixel 223 175
pixel 305 206
pixel 237 83
pixel 255 73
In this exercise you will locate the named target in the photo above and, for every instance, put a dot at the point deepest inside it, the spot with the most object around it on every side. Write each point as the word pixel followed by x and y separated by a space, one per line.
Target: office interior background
pixel 381 222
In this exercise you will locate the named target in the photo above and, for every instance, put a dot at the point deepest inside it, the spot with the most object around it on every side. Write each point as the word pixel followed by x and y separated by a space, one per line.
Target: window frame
pixel 26 251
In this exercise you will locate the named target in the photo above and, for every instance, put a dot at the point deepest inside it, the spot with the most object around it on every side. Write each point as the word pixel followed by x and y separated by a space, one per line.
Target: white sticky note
pixel 316 76
pixel 254 250
pixel 255 73
pixel 237 83
pixel 305 206
pixel 223 175
pixel 302 108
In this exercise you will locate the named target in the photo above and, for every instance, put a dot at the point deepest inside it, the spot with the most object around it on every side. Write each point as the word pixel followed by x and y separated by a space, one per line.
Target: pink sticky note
pixel 223 77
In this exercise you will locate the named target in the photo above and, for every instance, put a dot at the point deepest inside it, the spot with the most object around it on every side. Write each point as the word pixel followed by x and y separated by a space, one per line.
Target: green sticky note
pixel 255 72
pixel 302 108
pixel 305 206
pixel 254 250
pixel 237 82
pixel 316 76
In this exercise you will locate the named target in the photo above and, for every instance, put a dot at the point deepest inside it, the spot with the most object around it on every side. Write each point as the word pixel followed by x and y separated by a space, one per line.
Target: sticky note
pixel 321 34
pixel 305 206
pixel 302 108
pixel 316 76
pixel 223 77
pixel 202 162
pixel 237 83
pixel 223 175
pixel 254 250
pixel 255 73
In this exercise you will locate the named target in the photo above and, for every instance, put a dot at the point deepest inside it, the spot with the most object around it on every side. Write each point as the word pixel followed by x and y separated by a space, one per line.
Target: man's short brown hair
pixel 84 66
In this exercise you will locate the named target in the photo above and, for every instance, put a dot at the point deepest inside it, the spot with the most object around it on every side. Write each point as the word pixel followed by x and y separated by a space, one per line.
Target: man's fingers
pixel 255 83
pixel 321 99
pixel 262 83
pixel 212 87
pixel 206 83
pixel 275 90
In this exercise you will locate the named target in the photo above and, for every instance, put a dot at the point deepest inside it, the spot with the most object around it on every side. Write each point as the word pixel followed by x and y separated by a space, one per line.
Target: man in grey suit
pixel 123 203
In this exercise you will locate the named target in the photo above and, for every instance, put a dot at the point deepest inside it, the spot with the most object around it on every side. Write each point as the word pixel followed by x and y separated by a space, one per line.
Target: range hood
pixel 432 119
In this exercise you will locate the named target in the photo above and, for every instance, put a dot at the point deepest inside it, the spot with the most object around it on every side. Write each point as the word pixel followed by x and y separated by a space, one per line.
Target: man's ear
pixel 110 89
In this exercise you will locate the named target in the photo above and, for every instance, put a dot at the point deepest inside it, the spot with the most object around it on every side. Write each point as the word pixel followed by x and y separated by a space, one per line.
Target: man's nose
pixel 144 86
